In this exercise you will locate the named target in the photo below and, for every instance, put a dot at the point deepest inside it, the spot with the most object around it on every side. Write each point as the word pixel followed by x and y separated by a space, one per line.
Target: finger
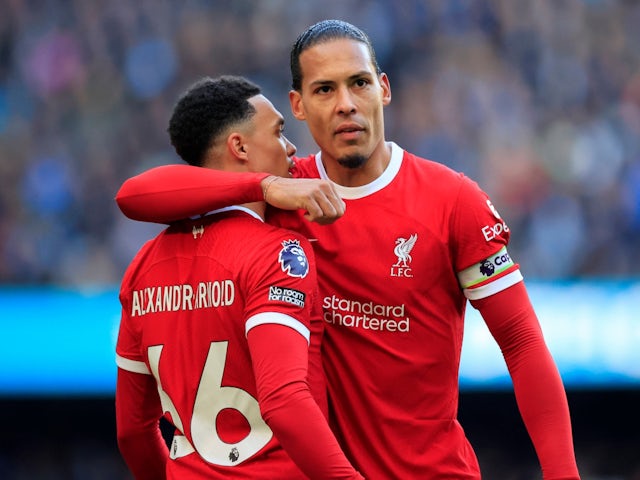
pixel 313 212
pixel 336 201
pixel 320 220
pixel 332 205
pixel 325 212
pixel 331 209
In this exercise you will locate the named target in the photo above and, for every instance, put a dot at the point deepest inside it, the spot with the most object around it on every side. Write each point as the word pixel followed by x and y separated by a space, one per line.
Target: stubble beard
pixel 352 161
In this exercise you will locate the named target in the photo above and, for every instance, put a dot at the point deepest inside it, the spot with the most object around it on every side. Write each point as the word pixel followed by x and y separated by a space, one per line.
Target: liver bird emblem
pixel 403 249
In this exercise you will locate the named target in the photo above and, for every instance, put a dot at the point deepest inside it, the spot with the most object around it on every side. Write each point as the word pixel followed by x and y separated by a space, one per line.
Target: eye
pixel 323 89
pixel 362 82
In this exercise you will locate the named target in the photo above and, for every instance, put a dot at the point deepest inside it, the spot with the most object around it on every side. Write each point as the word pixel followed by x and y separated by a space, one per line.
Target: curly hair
pixel 205 111
pixel 324 31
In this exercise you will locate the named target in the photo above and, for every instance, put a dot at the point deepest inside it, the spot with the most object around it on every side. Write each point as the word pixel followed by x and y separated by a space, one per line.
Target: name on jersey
pixel 365 315
pixel 171 298
pixel 288 295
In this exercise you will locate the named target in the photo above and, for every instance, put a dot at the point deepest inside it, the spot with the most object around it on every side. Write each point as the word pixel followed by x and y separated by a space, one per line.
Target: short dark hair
pixel 205 111
pixel 324 31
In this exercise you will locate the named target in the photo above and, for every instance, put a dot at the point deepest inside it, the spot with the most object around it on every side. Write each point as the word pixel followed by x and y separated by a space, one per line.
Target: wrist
pixel 266 183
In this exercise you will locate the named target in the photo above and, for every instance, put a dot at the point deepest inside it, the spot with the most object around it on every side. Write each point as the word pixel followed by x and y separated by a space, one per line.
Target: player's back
pixel 191 291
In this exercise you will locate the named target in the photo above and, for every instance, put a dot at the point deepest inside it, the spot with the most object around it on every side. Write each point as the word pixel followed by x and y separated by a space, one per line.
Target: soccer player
pixel 417 240
pixel 217 319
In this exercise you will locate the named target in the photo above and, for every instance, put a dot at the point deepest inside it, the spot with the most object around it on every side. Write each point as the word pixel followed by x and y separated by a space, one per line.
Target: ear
pixel 237 147
pixel 295 99
pixel 386 89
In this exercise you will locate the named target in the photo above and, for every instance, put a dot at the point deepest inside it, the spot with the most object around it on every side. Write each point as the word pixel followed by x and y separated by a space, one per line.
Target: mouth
pixel 351 128
pixel 349 132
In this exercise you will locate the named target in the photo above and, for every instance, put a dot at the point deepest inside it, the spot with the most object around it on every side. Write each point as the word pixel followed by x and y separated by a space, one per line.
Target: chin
pixel 353 160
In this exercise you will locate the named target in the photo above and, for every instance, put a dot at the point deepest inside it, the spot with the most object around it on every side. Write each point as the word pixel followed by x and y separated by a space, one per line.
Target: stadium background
pixel 538 101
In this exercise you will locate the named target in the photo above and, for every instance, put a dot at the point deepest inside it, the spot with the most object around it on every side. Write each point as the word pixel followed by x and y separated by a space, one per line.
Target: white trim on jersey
pixel 228 209
pixel 499 262
pixel 496 286
pixel 277 318
pixel 134 366
pixel 353 193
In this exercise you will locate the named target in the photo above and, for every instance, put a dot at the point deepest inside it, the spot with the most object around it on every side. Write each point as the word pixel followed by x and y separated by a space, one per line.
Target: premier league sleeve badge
pixel 293 260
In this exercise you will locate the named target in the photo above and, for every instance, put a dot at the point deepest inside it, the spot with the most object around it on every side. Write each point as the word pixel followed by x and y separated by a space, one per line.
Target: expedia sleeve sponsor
pixel 287 295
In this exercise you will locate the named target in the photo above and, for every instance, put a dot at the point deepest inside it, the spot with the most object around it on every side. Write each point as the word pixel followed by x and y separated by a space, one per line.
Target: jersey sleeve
pixel 282 289
pixel 138 408
pixel 129 355
pixel 281 282
pixel 138 413
pixel 279 357
pixel 537 384
pixel 173 192
pixel 316 374
pixel 480 238
pixel 281 299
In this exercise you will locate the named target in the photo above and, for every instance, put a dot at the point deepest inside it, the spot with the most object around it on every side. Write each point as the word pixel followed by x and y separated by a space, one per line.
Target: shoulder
pixel 259 239
pixel 279 252
pixel 305 167
pixel 137 265
pixel 435 170
pixel 438 178
pixel 285 240
pixel 256 232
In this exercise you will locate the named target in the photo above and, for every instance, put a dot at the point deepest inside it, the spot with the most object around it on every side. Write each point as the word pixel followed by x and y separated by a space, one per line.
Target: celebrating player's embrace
pixel 416 241
pixel 220 329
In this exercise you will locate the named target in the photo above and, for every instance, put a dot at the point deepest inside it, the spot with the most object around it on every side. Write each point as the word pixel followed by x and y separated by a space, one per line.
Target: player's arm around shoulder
pixel 318 198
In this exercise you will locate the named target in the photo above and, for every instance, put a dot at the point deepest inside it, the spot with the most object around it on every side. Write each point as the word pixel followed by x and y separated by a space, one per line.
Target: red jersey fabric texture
pixel 218 310
pixel 394 319
pixel 395 274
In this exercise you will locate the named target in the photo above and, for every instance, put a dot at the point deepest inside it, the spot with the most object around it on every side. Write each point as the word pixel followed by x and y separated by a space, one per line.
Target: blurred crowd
pixel 539 102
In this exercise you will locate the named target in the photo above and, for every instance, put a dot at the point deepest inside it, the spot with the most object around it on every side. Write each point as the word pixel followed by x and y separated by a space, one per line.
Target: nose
pixel 345 103
pixel 291 148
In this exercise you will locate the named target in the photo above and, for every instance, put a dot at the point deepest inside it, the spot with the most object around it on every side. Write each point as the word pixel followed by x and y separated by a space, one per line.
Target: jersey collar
pixel 229 209
pixel 353 193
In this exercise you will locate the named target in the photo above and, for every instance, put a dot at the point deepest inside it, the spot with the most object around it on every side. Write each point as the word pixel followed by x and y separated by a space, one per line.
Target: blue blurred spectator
pixel 537 101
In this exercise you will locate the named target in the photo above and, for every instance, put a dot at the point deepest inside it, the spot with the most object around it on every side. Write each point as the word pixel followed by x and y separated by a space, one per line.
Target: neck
pixel 372 168
pixel 257 207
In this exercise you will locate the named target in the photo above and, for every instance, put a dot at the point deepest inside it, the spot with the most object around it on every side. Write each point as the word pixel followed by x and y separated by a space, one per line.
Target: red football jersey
pixel 396 272
pixel 189 299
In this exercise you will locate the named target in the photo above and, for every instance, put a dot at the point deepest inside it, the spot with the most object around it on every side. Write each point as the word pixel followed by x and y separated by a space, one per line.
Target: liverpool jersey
pixel 189 299
pixel 421 240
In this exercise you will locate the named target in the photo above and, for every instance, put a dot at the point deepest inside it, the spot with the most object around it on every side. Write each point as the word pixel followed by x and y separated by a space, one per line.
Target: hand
pixel 318 198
